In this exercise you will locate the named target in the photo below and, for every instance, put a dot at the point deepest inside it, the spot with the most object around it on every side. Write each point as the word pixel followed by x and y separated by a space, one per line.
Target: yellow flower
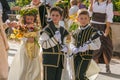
pixel 12 36
pixel 73 17
pixel 19 35
pixel 15 31
pixel 24 32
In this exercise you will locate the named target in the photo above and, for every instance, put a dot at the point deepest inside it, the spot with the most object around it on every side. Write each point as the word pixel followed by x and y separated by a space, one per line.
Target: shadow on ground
pixel 111 75
pixel 113 62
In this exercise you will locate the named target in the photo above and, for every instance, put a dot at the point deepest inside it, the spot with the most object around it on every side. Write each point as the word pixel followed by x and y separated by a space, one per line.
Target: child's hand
pixel 84 48
pixel 10 24
pixel 64 49
pixel 58 36
pixel 13 24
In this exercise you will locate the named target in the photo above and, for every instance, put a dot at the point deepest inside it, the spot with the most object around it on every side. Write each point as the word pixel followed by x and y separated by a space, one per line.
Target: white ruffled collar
pixel 83 28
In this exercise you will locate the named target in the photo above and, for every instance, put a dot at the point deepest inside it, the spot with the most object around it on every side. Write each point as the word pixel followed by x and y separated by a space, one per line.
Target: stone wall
pixel 116 36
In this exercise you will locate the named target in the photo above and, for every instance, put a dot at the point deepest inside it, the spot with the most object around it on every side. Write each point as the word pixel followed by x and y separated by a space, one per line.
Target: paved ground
pixel 115 69
pixel 115 64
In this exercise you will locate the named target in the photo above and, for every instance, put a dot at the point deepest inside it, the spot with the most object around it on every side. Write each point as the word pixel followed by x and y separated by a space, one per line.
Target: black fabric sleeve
pixel 43 13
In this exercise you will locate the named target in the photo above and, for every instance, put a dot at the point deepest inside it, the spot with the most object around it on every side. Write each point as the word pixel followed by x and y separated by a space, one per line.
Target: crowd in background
pixel 52 37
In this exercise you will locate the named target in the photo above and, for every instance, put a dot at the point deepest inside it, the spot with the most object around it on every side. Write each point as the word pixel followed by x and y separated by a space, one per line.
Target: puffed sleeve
pixel 89 11
pixel 109 12
pixel 95 44
pixel 47 42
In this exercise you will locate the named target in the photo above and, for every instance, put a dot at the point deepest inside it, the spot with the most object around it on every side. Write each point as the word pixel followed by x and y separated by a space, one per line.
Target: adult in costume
pixel 3 50
pixel 5 7
pixel 102 15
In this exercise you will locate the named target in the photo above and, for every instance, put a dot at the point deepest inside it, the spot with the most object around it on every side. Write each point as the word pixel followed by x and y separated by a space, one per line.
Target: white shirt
pixel 103 7
pixel 50 2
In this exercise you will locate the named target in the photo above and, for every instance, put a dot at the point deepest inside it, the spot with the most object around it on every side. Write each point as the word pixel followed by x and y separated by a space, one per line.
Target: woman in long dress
pixel 102 15
pixel 27 64
pixel 3 50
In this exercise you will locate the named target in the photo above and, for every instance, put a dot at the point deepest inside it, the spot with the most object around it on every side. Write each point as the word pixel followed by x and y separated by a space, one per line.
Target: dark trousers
pixel 81 65
pixel 52 73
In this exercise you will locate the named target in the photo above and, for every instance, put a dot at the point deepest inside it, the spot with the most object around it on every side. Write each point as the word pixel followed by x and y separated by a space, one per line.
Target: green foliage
pixel 86 2
pixel 73 27
pixel 64 4
pixel 22 3
pixel 11 4
pixel 28 11
pixel 116 7
pixel 116 4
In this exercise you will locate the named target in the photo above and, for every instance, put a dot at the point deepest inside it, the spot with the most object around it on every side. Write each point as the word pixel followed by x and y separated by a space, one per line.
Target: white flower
pixel 18 17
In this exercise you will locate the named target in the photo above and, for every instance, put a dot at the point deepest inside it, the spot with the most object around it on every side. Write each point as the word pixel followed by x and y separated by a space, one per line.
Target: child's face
pixel 55 16
pixel 29 19
pixel 83 19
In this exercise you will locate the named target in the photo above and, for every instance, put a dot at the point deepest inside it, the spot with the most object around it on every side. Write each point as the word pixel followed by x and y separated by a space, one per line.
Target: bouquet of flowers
pixel 25 31
pixel 74 24
pixel 29 30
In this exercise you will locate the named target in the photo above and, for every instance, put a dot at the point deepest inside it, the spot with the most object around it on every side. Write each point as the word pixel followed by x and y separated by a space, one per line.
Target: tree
pixel 22 3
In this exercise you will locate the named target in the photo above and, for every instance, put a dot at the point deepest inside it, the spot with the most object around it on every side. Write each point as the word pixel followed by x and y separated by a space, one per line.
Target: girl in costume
pixel 27 64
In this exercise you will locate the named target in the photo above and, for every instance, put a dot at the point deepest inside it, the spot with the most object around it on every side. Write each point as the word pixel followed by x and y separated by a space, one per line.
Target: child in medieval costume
pixel 52 40
pixel 27 64
pixel 82 45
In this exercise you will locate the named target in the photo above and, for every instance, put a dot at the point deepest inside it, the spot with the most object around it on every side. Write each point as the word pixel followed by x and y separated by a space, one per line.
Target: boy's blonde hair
pixel 82 12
